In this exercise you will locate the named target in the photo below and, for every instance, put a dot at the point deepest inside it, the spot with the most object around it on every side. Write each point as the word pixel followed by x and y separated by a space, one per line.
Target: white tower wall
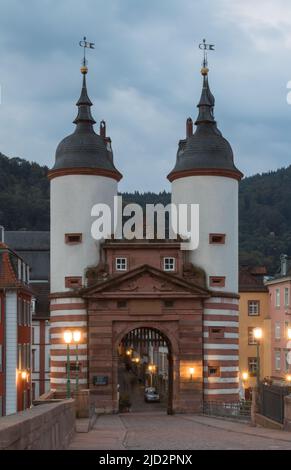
pixel 72 198
pixel 217 197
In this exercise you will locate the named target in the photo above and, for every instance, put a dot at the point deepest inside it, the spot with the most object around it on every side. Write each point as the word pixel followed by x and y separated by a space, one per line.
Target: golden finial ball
pixel 84 69
pixel 204 71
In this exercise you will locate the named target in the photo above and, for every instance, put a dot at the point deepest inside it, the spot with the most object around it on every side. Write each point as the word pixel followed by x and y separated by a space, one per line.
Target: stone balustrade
pixel 49 426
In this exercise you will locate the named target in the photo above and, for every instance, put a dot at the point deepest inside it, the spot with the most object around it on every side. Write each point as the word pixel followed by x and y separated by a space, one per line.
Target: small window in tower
pixel 169 264
pixel 217 281
pixel 121 264
pixel 73 238
pixel 216 333
pixel 169 303
pixel 121 304
pixel 213 371
pixel 217 238
pixel 73 282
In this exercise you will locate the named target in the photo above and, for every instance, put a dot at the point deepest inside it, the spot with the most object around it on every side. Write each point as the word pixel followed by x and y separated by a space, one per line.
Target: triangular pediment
pixel 146 280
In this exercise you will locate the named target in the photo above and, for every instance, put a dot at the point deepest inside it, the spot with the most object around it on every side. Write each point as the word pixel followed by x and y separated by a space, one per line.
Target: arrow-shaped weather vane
pixel 86 45
pixel 205 47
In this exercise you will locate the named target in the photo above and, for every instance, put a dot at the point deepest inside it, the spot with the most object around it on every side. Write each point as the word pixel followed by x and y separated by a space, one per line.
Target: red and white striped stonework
pixel 67 313
pixel 223 352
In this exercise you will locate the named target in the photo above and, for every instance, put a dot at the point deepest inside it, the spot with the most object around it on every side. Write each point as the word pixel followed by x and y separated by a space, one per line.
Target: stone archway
pixel 140 349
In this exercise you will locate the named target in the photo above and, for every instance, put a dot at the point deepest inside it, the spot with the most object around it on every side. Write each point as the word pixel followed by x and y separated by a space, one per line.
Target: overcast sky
pixel 144 78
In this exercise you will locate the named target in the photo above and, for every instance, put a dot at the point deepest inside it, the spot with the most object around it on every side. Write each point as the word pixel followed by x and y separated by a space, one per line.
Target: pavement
pixel 156 430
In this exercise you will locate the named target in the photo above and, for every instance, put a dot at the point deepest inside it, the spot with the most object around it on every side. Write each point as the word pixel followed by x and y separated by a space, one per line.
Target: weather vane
pixel 86 45
pixel 205 47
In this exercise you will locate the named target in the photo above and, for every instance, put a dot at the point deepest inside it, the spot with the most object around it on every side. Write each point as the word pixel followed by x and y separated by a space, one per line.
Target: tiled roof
pixel 251 279
pixel 34 248
pixel 8 274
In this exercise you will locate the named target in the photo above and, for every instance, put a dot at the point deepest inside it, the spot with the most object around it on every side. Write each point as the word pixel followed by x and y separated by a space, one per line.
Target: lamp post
pixel 245 378
pixel 191 372
pixel 68 339
pixel 258 334
pixel 77 339
pixel 151 369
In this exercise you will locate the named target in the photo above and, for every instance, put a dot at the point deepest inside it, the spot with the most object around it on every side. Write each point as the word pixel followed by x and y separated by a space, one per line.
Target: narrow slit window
pixel 217 281
pixel 213 371
pixel 73 238
pixel 73 282
pixel 217 238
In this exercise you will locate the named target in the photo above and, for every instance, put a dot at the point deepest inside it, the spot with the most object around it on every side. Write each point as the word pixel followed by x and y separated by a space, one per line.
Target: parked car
pixel 151 395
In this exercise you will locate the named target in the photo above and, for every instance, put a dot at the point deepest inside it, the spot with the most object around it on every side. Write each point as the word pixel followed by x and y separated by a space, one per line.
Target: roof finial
pixel 89 45
pixel 205 47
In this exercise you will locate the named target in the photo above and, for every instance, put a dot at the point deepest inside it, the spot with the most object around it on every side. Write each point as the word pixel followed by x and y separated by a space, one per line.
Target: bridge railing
pixel 49 426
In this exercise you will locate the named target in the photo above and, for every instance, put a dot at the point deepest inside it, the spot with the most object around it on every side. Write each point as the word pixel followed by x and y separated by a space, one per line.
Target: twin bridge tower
pixel 87 284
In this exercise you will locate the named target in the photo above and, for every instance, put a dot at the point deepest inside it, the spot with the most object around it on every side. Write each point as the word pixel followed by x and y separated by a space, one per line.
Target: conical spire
pixel 206 151
pixel 84 117
pixel 207 101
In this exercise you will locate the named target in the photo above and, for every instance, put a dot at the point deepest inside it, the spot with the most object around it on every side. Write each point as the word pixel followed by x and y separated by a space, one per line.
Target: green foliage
pixel 24 195
pixel 264 203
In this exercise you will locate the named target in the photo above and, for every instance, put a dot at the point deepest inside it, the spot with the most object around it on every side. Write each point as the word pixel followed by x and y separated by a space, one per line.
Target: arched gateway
pixel 145 364
pixel 146 298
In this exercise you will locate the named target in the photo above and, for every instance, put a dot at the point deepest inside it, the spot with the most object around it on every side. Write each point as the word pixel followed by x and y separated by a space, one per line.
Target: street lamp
pixel 151 369
pixel 77 339
pixel 24 375
pixel 68 339
pixel 258 334
pixel 289 333
pixel 288 378
pixel 245 376
pixel 191 372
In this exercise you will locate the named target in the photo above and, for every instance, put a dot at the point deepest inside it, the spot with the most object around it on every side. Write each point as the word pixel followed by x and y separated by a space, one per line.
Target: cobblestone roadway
pixel 157 431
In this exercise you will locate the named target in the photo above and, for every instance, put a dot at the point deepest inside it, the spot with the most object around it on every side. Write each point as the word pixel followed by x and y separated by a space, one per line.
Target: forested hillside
pixel 265 207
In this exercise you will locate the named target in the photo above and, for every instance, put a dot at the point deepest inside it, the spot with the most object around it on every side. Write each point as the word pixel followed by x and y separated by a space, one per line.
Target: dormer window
pixel 169 264
pixel 121 264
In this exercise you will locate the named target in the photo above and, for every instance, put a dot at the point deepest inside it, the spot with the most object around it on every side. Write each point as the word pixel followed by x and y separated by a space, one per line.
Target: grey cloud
pixel 144 78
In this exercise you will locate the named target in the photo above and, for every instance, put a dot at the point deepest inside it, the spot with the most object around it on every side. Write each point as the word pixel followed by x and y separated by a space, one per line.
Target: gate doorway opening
pixel 145 371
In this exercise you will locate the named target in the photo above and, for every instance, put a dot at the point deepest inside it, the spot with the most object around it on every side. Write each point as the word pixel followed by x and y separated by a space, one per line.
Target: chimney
pixel 103 129
pixel 189 127
pixel 283 259
pixel 2 230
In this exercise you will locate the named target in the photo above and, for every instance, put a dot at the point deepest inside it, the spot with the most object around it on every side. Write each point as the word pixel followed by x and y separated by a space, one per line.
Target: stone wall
pixel 47 427
pixel 287 413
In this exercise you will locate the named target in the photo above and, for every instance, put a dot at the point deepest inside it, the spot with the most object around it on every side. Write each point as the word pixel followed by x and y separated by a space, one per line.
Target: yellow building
pixel 253 313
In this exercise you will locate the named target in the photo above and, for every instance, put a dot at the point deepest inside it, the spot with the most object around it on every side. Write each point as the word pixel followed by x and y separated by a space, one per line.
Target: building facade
pixel 280 313
pixel 15 333
pixel 34 248
pixel 108 290
pixel 253 313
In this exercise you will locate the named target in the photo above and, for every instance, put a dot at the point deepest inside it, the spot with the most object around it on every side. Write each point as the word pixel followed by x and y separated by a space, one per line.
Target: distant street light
pixel 24 374
pixel 191 372
pixel 151 369
pixel 245 376
pixel 68 336
pixel 289 333
pixel 258 334
pixel 77 339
